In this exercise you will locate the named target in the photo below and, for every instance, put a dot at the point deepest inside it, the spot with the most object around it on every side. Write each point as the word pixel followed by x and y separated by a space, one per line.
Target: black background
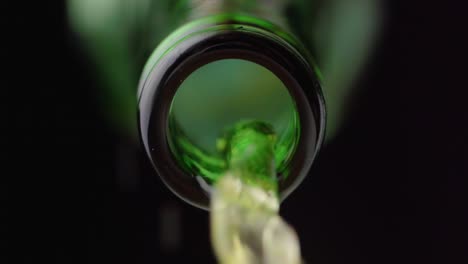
pixel 389 189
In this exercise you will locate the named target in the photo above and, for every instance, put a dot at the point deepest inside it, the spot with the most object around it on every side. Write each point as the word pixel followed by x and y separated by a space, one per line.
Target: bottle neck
pixel 271 11
pixel 215 38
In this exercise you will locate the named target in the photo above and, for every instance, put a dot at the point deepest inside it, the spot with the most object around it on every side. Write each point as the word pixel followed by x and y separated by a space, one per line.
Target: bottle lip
pixel 179 57
pixel 210 23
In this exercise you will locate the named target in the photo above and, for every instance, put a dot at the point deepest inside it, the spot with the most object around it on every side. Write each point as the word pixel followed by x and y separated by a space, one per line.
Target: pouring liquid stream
pixel 245 223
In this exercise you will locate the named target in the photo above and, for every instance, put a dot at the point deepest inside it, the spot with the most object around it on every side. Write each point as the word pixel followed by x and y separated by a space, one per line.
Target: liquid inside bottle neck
pixel 250 154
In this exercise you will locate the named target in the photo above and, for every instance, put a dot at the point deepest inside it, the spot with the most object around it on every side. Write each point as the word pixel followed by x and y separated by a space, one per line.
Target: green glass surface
pixel 120 36
pixel 221 101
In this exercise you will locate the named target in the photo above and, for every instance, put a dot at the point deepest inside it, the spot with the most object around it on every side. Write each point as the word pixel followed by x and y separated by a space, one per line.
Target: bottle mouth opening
pixel 218 95
pixel 163 85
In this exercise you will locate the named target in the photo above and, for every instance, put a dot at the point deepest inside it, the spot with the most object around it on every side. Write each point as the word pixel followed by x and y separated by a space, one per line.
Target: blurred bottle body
pixel 120 36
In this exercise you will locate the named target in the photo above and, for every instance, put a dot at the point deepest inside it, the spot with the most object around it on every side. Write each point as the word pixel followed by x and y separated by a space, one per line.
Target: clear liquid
pixel 245 224
pixel 217 96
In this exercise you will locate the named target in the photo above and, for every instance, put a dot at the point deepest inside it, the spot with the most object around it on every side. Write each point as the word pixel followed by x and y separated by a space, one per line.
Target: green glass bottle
pixel 209 69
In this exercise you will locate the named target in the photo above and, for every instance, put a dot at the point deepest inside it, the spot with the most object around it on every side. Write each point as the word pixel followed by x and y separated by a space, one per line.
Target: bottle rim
pixel 192 48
